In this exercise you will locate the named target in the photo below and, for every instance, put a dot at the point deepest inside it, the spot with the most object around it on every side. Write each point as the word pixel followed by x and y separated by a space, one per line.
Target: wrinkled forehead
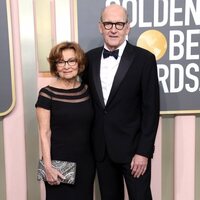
pixel 114 14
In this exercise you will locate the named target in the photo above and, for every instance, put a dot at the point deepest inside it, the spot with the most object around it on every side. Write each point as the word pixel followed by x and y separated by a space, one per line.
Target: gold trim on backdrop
pixel 181 112
pixel 44 37
pixel 11 60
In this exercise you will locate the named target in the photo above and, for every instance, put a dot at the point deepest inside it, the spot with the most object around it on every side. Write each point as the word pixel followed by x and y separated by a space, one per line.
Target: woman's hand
pixel 53 176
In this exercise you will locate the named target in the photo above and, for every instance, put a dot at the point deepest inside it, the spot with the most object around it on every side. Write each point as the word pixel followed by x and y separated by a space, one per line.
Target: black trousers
pixel 112 175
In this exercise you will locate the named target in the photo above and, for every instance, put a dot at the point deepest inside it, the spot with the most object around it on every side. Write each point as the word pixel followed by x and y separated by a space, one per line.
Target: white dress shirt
pixel 108 69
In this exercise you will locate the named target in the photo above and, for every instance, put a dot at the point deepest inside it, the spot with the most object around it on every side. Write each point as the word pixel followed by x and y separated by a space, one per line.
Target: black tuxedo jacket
pixel 127 124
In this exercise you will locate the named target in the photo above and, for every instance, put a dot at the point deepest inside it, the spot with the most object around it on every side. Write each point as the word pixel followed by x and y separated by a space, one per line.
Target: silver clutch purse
pixel 67 169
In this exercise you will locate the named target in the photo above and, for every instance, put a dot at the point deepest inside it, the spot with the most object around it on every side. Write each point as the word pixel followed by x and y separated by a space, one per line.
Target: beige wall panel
pixel 74 20
pixel 156 165
pixel 29 80
pixel 43 21
pixel 167 161
pixel 184 176
pixel 63 20
pixel 197 159
pixel 2 165
pixel 13 125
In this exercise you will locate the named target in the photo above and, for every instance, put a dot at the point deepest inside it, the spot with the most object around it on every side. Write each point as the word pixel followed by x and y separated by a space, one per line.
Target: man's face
pixel 114 27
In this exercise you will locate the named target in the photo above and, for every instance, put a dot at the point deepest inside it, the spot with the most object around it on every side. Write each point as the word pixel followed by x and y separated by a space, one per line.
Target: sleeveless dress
pixel 70 122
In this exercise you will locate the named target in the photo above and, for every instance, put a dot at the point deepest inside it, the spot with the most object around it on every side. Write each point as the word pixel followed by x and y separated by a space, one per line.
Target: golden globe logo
pixel 154 41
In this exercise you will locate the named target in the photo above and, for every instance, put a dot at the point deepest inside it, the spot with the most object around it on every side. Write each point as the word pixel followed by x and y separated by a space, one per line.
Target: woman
pixel 64 113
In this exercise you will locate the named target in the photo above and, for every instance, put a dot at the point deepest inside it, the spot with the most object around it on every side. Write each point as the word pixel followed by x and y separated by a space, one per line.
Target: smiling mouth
pixel 113 36
pixel 67 72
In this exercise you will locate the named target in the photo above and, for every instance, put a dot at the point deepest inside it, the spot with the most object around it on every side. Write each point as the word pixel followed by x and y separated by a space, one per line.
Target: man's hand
pixel 138 165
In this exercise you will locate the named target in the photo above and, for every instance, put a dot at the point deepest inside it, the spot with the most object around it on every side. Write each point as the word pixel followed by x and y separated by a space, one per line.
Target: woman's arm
pixel 43 116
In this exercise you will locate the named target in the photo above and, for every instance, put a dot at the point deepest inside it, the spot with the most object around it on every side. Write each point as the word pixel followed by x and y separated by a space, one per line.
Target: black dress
pixel 70 121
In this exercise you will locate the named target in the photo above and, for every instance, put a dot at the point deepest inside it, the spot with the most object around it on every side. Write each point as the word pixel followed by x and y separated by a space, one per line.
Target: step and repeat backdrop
pixel 168 28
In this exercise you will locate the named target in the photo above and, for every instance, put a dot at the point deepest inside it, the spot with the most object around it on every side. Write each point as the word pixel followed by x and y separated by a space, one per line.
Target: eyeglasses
pixel 118 25
pixel 71 62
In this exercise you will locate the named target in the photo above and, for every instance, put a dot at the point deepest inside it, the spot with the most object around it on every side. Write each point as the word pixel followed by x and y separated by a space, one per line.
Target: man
pixel 125 93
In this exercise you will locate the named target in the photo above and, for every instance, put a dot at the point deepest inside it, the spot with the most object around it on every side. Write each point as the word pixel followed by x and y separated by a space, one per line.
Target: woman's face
pixel 67 67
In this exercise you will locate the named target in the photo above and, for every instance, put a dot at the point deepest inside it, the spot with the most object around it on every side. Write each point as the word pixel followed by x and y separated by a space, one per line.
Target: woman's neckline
pixel 77 86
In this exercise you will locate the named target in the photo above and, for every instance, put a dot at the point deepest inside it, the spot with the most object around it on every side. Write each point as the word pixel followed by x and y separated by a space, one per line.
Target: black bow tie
pixel 107 53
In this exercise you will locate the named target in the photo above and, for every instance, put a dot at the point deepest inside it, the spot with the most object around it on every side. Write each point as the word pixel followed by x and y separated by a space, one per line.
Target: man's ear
pixel 128 28
pixel 100 27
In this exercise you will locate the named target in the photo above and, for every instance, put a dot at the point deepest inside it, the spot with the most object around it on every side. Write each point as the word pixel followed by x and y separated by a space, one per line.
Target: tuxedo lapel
pixel 96 75
pixel 126 60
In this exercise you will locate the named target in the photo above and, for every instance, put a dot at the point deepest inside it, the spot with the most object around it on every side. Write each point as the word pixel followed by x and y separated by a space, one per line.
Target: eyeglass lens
pixel 118 25
pixel 70 62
